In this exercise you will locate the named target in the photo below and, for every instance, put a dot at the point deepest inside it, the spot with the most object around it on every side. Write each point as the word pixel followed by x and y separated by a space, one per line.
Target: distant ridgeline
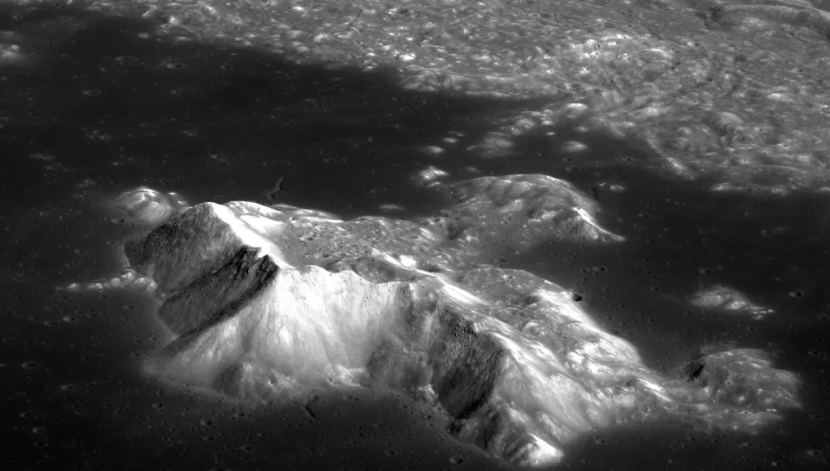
pixel 263 301
pixel 266 301
pixel 736 91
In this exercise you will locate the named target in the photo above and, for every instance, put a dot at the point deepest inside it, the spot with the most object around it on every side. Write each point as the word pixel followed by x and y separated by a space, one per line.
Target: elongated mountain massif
pixel 262 300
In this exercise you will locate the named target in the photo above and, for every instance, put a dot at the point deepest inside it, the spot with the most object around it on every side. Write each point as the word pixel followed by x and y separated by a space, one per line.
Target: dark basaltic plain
pixel 423 235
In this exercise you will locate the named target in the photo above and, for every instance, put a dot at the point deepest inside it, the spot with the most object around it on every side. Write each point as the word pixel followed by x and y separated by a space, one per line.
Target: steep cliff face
pixel 699 126
pixel 266 299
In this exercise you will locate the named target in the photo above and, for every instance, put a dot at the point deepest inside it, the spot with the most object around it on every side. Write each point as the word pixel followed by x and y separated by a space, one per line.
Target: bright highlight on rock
pixel 263 300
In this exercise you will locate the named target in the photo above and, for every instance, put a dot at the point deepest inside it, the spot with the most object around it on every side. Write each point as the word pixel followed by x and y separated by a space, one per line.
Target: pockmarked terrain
pixel 264 301
pixel 732 91
pixel 261 301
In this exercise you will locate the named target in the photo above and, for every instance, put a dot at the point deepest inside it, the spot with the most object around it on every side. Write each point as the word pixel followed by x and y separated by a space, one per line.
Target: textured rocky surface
pixel 646 107
pixel 725 299
pixel 149 207
pixel 265 300
pixel 733 91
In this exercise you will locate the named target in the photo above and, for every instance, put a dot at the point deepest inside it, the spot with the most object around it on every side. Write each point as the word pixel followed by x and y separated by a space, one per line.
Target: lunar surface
pixel 433 234
pixel 263 300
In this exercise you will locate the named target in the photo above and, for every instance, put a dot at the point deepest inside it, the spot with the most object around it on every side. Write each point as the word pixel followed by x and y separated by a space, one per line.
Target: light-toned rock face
pixel 725 299
pixel 263 301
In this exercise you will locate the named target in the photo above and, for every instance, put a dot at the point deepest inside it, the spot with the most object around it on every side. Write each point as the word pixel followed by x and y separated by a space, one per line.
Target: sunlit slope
pixel 266 300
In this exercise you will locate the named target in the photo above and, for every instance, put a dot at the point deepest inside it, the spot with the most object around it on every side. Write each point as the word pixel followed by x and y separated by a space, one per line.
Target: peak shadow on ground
pixel 97 104
pixel 102 95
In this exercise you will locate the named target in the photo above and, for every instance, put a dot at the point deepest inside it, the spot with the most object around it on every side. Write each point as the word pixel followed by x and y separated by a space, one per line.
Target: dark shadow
pixel 92 105
pixel 680 237
pixel 98 104
pixel 109 99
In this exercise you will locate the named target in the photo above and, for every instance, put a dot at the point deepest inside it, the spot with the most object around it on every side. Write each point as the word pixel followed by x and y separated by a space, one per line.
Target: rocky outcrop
pixel 261 299
pixel 726 299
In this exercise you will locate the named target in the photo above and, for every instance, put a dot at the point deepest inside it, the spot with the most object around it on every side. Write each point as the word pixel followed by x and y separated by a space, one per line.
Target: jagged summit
pixel 262 299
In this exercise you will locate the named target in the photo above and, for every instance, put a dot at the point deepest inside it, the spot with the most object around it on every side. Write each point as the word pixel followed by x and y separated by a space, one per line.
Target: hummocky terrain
pixel 415 234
